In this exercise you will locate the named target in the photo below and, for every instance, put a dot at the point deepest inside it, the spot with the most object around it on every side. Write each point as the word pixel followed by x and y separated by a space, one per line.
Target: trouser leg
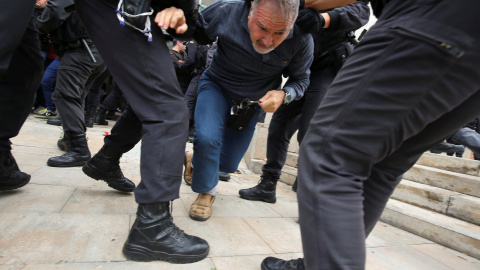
pixel 48 83
pixel 112 100
pixel 284 124
pixel 191 96
pixel 75 75
pixel 374 105
pixel 21 68
pixel 95 91
pixel 320 80
pixel 469 138
pixel 209 134
pixel 157 101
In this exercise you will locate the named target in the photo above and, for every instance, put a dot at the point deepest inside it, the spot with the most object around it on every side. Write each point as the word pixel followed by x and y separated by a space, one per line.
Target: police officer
pixel 21 69
pixel 332 47
pixel 156 114
pixel 81 64
pixel 408 85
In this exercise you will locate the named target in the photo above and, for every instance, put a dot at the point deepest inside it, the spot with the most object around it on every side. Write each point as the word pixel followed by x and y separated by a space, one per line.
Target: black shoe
pixel 57 121
pixel 77 155
pixel 294 186
pixel 264 191
pixel 223 176
pixel 154 237
pixel 110 115
pixel 100 117
pixel 89 115
pixel 10 175
pixel 106 166
pixel 62 144
pixel 271 263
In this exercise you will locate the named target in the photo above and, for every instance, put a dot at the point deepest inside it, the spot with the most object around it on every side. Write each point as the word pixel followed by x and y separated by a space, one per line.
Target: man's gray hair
pixel 286 8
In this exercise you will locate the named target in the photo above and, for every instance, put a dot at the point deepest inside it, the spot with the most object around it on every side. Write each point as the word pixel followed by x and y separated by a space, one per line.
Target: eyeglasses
pixel 243 105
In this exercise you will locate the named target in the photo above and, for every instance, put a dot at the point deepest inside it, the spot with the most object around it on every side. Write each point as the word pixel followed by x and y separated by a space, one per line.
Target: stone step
pixel 450 232
pixel 443 201
pixel 289 173
pixel 453 164
pixel 448 227
pixel 292 159
pixel 458 182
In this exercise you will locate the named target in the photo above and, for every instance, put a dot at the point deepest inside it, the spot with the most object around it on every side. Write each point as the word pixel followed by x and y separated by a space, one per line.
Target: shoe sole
pixel 45 116
pixel 16 186
pixel 225 179
pixel 142 254
pixel 57 164
pixel 199 218
pixel 91 172
pixel 256 198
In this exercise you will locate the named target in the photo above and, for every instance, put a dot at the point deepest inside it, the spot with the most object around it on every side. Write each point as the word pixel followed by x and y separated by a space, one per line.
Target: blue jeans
pixel 48 83
pixel 215 146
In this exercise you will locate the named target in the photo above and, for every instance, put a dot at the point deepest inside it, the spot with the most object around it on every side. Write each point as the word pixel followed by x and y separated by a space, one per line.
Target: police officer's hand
pixel 310 21
pixel 272 100
pixel 172 17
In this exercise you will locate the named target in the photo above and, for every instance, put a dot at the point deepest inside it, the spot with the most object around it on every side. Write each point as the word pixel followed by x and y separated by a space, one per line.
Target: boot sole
pixel 75 164
pixel 142 254
pixel 89 171
pixel 256 198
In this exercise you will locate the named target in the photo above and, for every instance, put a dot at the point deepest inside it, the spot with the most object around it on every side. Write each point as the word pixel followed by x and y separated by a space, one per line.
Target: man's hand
pixel 172 17
pixel 310 21
pixel 41 3
pixel 272 100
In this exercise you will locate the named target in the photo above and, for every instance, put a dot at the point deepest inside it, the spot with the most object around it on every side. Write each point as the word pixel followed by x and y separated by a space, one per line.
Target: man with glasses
pixel 256 46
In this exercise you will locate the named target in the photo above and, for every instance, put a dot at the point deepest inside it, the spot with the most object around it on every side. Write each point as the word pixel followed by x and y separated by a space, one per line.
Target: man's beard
pixel 261 50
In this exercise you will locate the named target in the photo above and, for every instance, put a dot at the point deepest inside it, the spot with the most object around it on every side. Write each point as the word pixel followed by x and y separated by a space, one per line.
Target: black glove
pixel 310 21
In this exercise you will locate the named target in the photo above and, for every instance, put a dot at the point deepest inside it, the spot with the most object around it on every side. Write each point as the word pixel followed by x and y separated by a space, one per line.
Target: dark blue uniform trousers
pixel 21 67
pixel 412 81
pixel 295 116
pixel 157 113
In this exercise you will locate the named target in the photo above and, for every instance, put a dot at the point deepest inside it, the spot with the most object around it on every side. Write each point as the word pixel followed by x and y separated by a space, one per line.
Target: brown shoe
pixel 201 208
pixel 187 175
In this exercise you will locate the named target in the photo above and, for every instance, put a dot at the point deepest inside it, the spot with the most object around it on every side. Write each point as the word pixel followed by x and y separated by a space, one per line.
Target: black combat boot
pixel 77 155
pixel 264 191
pixel 63 142
pixel 110 115
pixel 271 263
pixel 57 121
pixel 10 175
pixel 154 237
pixel 105 165
pixel 100 117
pixel 89 115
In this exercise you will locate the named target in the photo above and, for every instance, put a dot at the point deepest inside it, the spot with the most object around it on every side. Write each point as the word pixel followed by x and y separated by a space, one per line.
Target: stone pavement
pixel 65 220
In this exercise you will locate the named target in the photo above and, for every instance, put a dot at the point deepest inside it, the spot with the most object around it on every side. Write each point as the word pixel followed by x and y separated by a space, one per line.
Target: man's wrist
pixel 288 97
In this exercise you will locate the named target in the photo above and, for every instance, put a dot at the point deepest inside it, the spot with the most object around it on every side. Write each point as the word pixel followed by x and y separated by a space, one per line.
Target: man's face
pixel 181 47
pixel 267 29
